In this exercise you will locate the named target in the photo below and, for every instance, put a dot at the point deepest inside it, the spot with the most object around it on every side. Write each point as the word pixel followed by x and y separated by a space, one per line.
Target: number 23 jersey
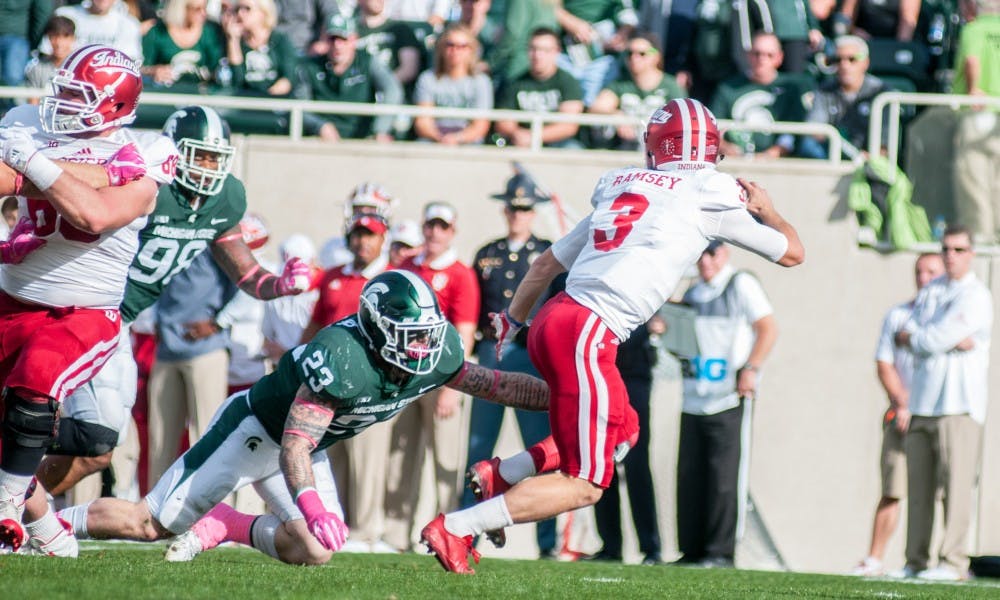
pixel 76 268
pixel 647 228
pixel 337 365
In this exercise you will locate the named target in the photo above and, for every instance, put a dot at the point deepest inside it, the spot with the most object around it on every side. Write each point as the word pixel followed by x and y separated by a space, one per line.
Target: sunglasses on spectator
pixel 955 249
pixel 851 59
pixel 637 52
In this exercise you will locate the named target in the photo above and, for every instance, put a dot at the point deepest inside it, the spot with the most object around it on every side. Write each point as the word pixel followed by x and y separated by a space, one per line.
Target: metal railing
pixel 537 120
pixel 894 100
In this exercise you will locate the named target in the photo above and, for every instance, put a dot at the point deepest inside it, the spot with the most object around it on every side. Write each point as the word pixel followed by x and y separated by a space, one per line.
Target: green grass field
pixel 129 571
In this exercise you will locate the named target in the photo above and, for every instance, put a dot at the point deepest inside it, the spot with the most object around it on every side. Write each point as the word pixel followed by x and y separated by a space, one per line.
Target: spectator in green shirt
pixel 263 61
pixel 762 96
pixel 544 88
pixel 642 90
pixel 347 74
pixel 389 41
pixel 183 46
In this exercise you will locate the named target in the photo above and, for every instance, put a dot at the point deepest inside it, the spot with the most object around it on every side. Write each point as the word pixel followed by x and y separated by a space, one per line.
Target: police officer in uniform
pixel 500 265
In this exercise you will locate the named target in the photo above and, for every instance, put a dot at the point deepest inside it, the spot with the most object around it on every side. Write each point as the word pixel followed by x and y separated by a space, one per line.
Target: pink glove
pixel 505 327
pixel 325 526
pixel 21 242
pixel 294 278
pixel 126 166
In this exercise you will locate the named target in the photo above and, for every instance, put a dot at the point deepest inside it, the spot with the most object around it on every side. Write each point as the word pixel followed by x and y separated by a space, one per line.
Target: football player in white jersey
pixel 623 260
pixel 62 286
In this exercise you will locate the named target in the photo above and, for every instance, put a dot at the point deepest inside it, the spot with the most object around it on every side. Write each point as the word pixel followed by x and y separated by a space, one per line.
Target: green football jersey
pixel 337 364
pixel 174 235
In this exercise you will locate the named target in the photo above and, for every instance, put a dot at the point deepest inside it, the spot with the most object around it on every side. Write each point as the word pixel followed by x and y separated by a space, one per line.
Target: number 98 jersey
pixel 338 365
pixel 647 228
pixel 175 234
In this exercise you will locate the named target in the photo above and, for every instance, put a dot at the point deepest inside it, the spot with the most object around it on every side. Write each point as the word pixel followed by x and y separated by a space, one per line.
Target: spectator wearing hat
pixel 347 74
pixel 359 463
pixel 434 419
pixel 500 266
pixel 405 242
pixel 736 330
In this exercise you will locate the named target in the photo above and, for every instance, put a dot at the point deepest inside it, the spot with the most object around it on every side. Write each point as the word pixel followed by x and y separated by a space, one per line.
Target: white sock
pixel 485 516
pixel 16 485
pixel 262 534
pixel 46 527
pixel 76 516
pixel 518 467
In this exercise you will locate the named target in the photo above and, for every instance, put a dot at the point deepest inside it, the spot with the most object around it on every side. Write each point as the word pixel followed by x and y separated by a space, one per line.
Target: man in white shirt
pixel 949 336
pixel 736 330
pixel 106 22
pixel 623 260
pixel 894 366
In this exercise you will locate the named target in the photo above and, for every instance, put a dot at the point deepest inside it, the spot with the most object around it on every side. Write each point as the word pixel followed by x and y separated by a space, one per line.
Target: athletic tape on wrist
pixel 42 171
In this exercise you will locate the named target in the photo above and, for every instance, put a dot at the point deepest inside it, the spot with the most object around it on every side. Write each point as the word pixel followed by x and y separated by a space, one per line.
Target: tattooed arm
pixel 240 265
pixel 518 390
pixel 307 420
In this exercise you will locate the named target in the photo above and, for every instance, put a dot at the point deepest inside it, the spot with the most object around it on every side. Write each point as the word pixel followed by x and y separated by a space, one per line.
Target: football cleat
pixel 449 549
pixel 63 544
pixel 485 483
pixel 12 535
pixel 184 547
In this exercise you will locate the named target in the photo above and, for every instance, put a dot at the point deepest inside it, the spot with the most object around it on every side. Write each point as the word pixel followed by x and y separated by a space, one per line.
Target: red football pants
pixel 589 410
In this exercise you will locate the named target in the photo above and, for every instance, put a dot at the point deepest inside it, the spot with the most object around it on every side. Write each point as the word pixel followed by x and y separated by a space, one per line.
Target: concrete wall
pixel 817 422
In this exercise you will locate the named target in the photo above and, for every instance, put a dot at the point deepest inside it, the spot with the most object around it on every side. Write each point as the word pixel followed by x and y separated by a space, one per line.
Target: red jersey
pixel 453 281
pixel 340 291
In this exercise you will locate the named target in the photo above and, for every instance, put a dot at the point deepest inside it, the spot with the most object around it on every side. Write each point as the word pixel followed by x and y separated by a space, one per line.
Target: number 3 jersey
pixel 76 268
pixel 647 228
pixel 338 365
pixel 175 234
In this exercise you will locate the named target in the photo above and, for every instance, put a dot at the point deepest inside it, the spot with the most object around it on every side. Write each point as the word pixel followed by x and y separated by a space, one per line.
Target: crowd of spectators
pixel 605 57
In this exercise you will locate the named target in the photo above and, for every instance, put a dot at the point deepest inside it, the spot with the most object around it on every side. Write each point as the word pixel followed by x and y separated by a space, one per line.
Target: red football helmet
pixel 682 130
pixel 97 87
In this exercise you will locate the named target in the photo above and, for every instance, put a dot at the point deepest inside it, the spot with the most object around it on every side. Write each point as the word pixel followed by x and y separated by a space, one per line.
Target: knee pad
pixel 29 424
pixel 81 438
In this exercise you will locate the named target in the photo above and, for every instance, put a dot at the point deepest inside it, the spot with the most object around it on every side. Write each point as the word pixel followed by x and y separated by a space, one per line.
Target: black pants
pixel 640 485
pixel 708 492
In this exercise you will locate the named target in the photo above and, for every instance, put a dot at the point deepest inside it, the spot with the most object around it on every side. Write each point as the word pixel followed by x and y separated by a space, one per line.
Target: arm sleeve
pixel 968 314
pixel 738 227
pixel 392 93
pixel 569 246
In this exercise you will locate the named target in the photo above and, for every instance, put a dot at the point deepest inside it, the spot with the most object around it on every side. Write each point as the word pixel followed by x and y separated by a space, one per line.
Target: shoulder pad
pixel 720 190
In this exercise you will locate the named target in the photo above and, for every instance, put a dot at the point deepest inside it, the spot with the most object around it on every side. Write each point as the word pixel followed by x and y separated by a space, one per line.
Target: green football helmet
pixel 198 130
pixel 400 317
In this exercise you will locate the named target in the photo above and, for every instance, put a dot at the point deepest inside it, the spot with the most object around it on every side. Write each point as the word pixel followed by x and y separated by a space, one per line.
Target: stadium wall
pixel 817 422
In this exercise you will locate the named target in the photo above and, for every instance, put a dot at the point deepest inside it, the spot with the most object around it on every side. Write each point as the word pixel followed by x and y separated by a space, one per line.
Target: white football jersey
pixel 647 228
pixel 76 268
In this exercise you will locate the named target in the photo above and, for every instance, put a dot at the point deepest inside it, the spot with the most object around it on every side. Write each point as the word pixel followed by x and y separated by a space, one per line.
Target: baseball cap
pixel 406 232
pixel 369 221
pixel 521 193
pixel 441 211
pixel 341 26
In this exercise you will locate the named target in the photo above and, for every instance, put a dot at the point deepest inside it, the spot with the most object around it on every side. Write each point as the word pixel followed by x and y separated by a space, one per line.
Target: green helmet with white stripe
pixel 206 156
pixel 400 318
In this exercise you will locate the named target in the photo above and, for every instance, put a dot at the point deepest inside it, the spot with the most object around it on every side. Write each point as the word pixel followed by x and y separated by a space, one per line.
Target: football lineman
pixel 67 264
pixel 201 209
pixel 361 370
pixel 623 260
